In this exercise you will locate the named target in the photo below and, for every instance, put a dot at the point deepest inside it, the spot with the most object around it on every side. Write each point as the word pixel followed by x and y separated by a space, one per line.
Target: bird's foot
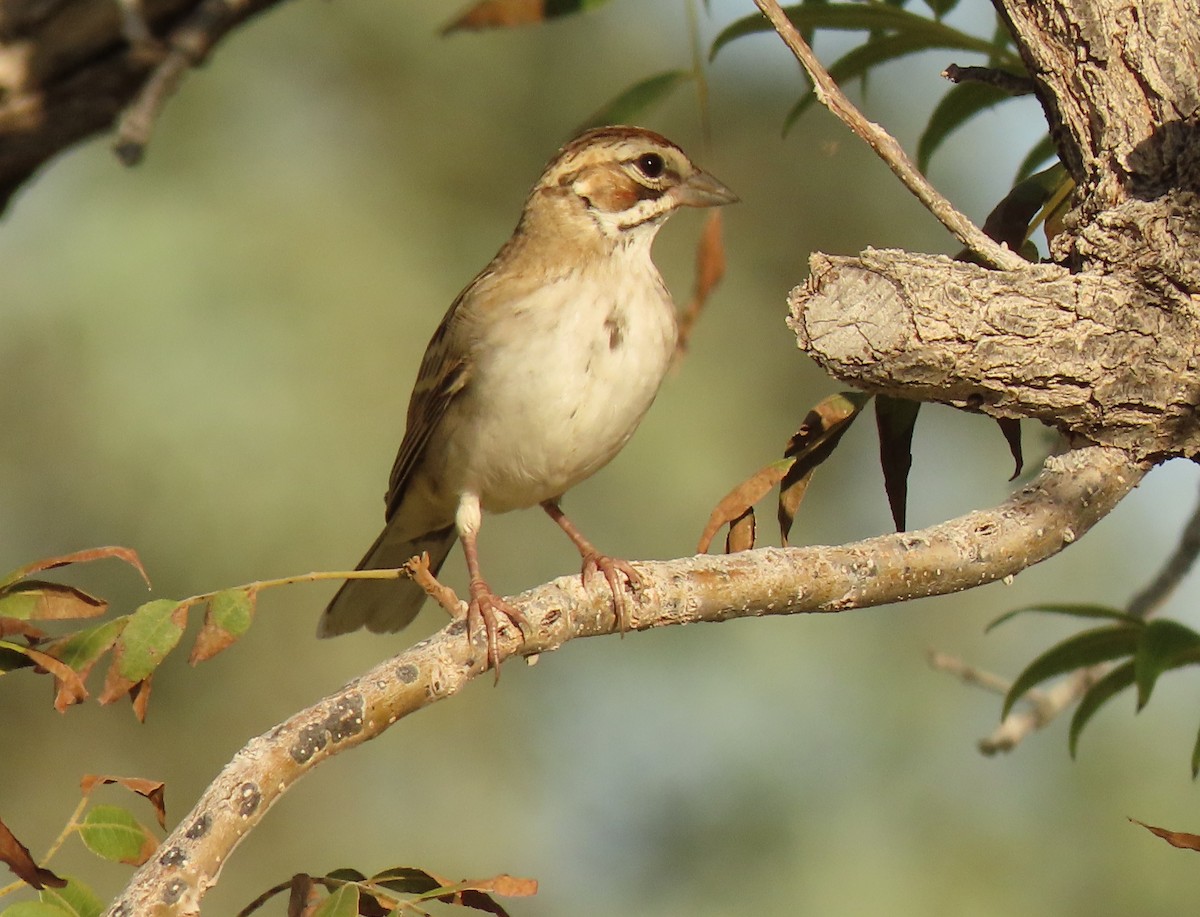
pixel 614 569
pixel 486 608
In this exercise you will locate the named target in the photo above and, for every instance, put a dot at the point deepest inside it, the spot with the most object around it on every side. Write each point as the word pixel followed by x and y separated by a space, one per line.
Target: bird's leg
pixel 485 606
pixel 613 568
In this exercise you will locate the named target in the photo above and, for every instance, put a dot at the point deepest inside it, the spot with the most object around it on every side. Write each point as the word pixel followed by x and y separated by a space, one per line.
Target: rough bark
pixel 1103 342
pixel 69 68
pixel 1088 353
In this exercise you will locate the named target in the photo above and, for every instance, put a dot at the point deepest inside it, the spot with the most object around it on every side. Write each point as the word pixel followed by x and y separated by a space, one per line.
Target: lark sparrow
pixel 538 374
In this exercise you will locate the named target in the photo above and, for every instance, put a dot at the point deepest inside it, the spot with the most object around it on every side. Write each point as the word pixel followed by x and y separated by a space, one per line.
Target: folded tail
pixel 383 605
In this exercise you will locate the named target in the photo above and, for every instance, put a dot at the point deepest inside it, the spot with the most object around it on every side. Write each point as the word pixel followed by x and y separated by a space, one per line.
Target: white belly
pixel 559 390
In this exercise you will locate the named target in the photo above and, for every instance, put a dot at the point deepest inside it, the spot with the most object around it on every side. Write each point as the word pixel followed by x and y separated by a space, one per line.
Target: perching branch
pixel 889 150
pixel 1071 494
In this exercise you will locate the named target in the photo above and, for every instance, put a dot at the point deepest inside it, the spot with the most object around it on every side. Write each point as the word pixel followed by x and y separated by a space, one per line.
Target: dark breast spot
pixel 615 328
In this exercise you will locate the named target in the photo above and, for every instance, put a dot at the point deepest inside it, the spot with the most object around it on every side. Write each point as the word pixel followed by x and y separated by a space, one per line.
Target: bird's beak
pixel 702 190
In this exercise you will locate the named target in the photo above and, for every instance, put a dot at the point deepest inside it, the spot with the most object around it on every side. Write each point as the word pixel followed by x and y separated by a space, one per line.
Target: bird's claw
pixel 486 608
pixel 613 569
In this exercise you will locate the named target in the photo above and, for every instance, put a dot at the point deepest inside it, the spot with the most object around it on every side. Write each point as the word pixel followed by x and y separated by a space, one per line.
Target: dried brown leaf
pixel 128 555
pixel 152 790
pixel 819 434
pixel 791 492
pixel 1180 839
pixel 740 536
pixel 827 421
pixel 116 686
pixel 19 860
pixel 36 600
pixel 735 503
pixel 498 14
pixel 139 696
pixel 68 686
pixel 477 893
pixel 710 269
pixel 16 627
pixel 303 896
pixel 226 620
pixel 506 885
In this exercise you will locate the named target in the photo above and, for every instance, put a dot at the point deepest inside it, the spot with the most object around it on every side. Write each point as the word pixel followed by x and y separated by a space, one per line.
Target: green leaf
pixel 895 419
pixel 1196 758
pixel 13 656
pixel 82 649
pixel 1088 648
pixel 1164 645
pixel 1041 151
pixel 152 631
pixel 406 880
pixel 74 898
pixel 342 903
pixel 34 909
pixel 34 600
pixel 567 7
pixel 634 101
pixel 230 614
pixel 941 7
pixel 1011 221
pixel 875 17
pixel 961 103
pixel 1073 609
pixel 114 834
pixel 497 14
pixel 1097 695
pixel 345 874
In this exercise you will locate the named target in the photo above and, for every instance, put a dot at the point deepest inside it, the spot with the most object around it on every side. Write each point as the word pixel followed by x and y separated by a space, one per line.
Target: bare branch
pixel 187 47
pixel 1072 493
pixel 990 76
pixel 1042 712
pixel 67 70
pixel 1178 565
pixel 888 149
pixel 969 674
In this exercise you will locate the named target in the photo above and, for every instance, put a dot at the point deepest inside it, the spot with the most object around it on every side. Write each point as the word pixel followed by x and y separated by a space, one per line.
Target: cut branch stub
pixel 1083 352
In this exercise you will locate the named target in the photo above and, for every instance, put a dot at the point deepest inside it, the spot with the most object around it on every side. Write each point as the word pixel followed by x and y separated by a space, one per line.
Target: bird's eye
pixel 651 165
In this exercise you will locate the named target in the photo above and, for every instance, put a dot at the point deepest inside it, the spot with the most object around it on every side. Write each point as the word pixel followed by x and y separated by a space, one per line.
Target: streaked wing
pixel 443 374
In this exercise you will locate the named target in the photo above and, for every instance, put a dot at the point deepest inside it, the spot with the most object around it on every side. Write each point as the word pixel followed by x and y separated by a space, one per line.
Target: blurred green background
pixel 207 358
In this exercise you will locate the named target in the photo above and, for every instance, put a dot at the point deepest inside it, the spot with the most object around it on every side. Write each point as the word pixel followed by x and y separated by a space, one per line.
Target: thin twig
pixel 1178 565
pixel 969 674
pixel 187 46
pixel 1011 83
pixel 1019 724
pixel 889 150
